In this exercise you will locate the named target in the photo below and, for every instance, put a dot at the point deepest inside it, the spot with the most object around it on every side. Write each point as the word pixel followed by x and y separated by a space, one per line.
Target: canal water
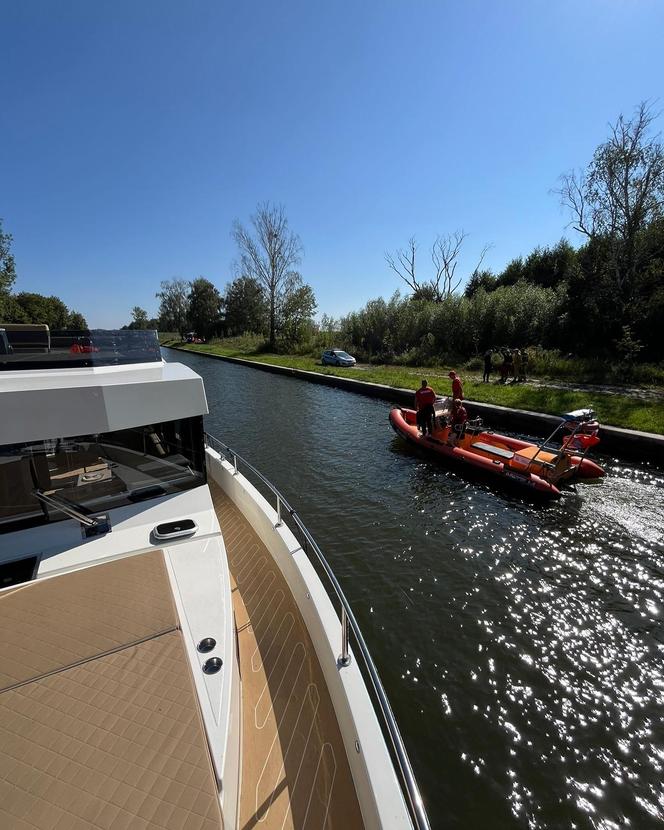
pixel 521 645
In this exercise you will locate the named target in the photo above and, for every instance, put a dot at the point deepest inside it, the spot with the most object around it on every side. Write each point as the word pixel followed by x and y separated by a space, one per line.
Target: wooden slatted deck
pixel 295 774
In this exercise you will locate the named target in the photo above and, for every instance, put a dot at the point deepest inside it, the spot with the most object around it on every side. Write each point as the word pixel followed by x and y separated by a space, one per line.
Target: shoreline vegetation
pixel 637 408
pixel 589 316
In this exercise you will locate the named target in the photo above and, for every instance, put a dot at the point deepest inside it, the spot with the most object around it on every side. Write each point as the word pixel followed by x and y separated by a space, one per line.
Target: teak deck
pixel 100 725
pixel 294 768
pixel 99 722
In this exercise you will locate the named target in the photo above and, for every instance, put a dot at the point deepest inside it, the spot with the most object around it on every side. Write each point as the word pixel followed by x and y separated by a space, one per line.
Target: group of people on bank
pixel 514 365
pixel 425 399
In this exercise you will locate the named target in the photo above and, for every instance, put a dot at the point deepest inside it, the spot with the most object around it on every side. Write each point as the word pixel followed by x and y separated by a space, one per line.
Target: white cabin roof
pixel 60 403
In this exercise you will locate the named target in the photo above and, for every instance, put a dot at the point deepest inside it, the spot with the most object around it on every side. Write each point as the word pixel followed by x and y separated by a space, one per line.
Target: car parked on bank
pixel 337 357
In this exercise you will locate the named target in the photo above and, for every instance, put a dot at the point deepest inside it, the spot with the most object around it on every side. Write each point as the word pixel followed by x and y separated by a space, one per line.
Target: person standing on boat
pixel 458 418
pixel 424 401
pixel 488 355
pixel 457 388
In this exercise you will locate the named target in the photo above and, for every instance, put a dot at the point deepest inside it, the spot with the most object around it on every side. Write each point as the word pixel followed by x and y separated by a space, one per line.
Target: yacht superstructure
pixel 171 656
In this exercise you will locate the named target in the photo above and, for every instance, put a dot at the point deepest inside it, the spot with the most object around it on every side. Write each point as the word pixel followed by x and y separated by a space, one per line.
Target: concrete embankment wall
pixel 624 443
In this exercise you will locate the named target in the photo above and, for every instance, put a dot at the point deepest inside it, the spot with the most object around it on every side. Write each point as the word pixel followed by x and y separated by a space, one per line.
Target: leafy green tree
pixel 204 307
pixel 549 267
pixel 480 279
pixel 514 271
pixel 296 309
pixel 139 318
pixel 246 307
pixel 612 204
pixel 7 266
pixel 173 305
pixel 76 321
pixel 269 255
pixel 11 311
pixel 36 308
pixel 7 273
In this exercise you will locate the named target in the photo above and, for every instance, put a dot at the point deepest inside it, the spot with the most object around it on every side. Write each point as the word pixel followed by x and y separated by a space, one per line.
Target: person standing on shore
pixel 424 401
pixel 524 365
pixel 516 362
pixel 457 388
pixel 509 365
pixel 488 354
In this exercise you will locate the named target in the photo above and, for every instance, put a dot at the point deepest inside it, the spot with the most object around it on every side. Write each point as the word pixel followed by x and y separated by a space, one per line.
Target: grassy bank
pixel 616 409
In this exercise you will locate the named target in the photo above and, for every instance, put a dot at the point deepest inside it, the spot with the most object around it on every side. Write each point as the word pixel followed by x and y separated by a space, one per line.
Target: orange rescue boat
pixel 538 468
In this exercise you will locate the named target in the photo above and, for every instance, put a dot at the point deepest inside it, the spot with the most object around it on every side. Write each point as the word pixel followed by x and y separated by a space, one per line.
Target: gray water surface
pixel 521 645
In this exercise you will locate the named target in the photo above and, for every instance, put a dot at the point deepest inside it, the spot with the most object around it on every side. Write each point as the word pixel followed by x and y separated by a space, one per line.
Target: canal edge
pixel 625 443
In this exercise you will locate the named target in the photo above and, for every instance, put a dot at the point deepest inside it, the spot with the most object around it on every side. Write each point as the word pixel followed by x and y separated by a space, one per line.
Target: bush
pixel 407 330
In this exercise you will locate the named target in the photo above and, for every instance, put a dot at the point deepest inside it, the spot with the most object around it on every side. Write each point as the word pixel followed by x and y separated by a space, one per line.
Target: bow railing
pixel 348 627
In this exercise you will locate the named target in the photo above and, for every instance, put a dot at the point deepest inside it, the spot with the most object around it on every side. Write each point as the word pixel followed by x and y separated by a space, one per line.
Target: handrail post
pixel 234 464
pixel 344 657
pixel 279 522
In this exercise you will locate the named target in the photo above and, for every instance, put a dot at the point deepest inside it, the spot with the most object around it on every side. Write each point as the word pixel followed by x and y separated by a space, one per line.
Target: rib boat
pixel 176 650
pixel 537 469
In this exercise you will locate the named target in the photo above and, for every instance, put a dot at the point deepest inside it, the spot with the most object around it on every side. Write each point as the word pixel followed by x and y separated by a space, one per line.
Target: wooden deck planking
pixel 295 773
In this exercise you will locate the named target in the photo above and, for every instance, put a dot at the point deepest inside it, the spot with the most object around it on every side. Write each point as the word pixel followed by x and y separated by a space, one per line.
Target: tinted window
pixel 99 472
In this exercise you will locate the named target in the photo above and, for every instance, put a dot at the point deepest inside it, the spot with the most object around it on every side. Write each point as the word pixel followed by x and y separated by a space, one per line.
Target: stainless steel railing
pixel 348 625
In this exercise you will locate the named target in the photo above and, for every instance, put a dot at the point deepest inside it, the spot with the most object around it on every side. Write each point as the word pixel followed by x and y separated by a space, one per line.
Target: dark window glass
pixel 99 472
pixel 13 573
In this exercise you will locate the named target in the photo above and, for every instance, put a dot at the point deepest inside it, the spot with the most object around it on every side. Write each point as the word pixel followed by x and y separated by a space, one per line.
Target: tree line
pixel 604 299
pixel 27 306
pixel 267 296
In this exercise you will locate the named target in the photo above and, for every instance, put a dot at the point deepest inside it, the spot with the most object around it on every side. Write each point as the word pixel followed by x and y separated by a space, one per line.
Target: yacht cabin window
pixel 96 473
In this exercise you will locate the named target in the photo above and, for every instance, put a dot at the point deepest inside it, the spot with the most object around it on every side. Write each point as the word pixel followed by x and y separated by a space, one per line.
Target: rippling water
pixel 521 645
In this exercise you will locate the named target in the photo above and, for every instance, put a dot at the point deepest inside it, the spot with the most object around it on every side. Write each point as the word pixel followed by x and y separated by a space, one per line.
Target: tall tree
pixel 173 305
pixel 139 318
pixel 246 307
pixel 7 272
pixel 204 307
pixel 616 198
pixel 269 255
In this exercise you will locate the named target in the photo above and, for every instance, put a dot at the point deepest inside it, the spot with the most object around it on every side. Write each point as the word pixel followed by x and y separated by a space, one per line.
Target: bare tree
pixel 445 253
pixel 403 264
pixel 620 193
pixel 269 255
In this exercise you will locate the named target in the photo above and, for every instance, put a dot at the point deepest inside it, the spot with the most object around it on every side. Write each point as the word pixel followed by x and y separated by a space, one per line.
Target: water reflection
pixel 521 644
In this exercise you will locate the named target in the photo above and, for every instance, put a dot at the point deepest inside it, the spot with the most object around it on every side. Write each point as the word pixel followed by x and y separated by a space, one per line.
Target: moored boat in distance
pixel 540 469
pixel 176 650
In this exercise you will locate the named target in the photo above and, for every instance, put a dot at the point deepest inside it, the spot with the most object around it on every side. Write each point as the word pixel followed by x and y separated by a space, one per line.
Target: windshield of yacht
pixel 99 472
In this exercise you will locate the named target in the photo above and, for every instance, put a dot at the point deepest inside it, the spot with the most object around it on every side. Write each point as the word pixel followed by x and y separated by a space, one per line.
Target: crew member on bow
pixel 424 400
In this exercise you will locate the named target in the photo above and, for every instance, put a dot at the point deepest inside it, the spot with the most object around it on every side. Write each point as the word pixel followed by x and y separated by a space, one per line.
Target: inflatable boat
pixel 537 468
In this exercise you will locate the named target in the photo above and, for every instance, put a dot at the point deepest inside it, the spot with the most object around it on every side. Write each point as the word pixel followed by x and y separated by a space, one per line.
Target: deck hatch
pixel 51 624
pixel 99 721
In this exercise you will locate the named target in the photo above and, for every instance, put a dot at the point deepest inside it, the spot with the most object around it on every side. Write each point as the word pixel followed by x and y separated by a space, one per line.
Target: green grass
pixel 614 409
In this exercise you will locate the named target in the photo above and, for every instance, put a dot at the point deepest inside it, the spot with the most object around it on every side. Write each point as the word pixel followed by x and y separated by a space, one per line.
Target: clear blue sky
pixel 133 133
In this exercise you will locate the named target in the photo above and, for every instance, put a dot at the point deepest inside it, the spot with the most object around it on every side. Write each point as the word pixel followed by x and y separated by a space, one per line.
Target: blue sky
pixel 133 133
